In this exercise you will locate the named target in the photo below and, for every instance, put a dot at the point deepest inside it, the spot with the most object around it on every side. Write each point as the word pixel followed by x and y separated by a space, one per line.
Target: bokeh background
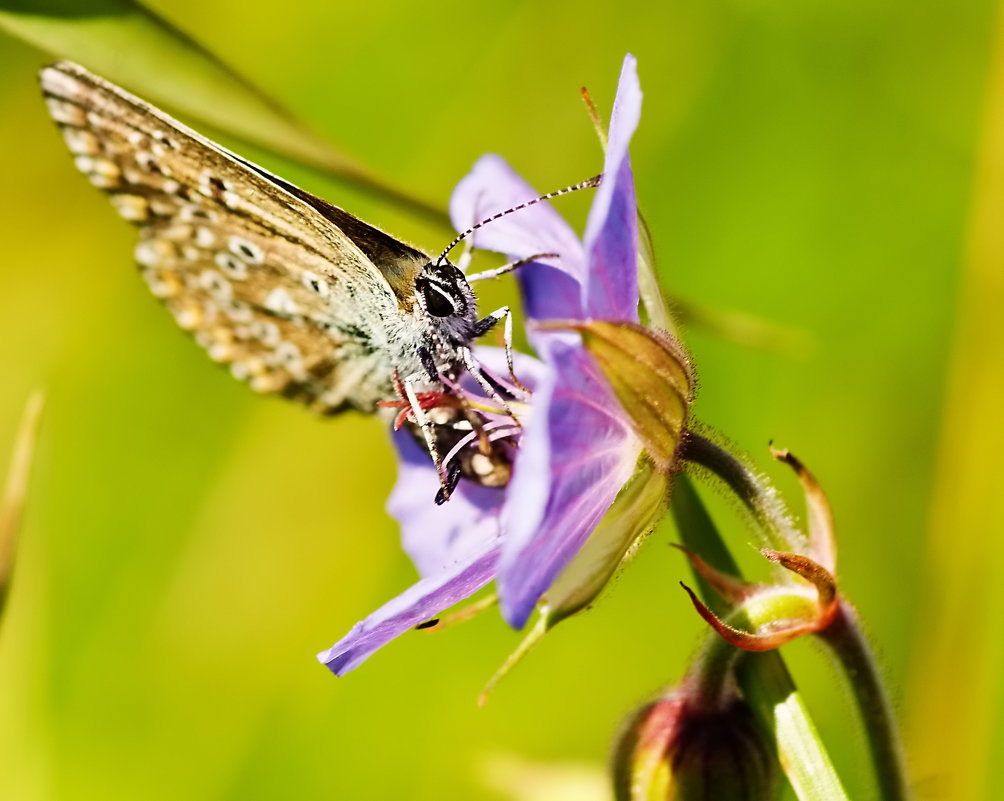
pixel 826 169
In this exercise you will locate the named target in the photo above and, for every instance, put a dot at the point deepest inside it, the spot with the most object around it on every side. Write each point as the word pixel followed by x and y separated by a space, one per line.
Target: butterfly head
pixel 442 292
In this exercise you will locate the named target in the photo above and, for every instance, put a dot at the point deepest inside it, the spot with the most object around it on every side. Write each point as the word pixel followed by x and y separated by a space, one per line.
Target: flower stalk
pixel 758 496
pixel 849 646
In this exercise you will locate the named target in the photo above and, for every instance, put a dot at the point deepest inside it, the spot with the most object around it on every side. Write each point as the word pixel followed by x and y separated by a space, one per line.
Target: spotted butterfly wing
pixel 295 295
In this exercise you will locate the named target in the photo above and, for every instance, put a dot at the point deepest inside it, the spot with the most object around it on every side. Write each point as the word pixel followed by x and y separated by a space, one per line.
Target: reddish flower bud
pixel 685 747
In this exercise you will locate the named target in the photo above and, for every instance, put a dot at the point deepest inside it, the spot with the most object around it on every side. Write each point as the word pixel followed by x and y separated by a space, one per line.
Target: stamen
pixel 492 431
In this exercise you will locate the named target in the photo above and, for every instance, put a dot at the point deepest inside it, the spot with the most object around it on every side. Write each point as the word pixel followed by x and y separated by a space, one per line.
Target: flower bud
pixel 685 748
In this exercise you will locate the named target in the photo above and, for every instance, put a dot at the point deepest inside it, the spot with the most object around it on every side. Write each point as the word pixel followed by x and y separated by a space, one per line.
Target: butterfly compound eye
pixel 437 302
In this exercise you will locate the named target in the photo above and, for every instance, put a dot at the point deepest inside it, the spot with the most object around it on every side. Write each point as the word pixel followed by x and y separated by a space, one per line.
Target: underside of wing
pixel 399 263
pixel 263 274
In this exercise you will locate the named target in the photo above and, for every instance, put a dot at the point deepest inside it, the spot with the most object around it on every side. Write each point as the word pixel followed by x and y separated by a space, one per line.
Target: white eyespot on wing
pixel 84 163
pixel 132 207
pixel 204 237
pixel 153 252
pixel 163 205
pixel 317 284
pixel 221 352
pixel 246 251
pixel 280 302
pixel 81 141
pixel 55 81
pixel 288 356
pixel 188 316
pixel 104 173
pixel 162 284
pixel 266 331
pixel 232 266
pixel 237 310
pixel 216 285
pixel 192 212
pixel 65 112
pixel 263 381
pixel 211 186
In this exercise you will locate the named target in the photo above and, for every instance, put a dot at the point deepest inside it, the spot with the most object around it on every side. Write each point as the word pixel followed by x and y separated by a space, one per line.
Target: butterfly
pixel 298 297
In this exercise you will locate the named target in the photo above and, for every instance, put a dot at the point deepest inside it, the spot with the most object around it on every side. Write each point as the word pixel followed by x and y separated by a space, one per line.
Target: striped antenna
pixel 587 184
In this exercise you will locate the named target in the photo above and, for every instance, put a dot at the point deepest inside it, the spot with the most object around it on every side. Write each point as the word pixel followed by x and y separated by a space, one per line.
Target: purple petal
pixel 438 538
pixel 610 290
pixel 551 288
pixel 421 601
pixel 577 452
pixel 493 186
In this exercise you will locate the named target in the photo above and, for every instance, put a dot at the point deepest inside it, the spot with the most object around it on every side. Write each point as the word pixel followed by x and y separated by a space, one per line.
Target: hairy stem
pixel 849 645
pixel 752 489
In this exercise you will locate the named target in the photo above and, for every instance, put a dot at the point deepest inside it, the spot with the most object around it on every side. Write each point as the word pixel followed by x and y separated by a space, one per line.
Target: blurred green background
pixel 189 546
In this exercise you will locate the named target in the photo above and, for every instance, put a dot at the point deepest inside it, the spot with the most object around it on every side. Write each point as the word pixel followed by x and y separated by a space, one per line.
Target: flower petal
pixel 577 451
pixel 551 288
pixel 610 291
pixel 493 186
pixel 421 601
pixel 438 538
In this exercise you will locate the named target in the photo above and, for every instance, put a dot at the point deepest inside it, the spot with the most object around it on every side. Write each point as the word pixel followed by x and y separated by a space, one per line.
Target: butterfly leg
pixel 450 484
pixel 482 327
pixel 423 422
pixel 492 388
pixel 486 275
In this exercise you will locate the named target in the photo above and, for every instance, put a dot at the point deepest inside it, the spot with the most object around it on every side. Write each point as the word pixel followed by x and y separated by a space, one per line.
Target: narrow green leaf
pixel 745 329
pixel 15 491
pixel 128 44
pixel 956 718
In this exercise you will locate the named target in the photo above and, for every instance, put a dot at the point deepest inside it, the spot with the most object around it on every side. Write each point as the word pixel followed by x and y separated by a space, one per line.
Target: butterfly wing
pixel 271 280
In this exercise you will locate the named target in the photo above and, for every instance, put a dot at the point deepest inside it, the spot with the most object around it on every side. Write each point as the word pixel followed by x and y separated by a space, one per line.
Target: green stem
pixel 849 645
pixel 753 489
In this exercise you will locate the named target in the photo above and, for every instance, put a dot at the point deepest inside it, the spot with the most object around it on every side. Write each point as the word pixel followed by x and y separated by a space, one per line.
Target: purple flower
pixel 578 447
